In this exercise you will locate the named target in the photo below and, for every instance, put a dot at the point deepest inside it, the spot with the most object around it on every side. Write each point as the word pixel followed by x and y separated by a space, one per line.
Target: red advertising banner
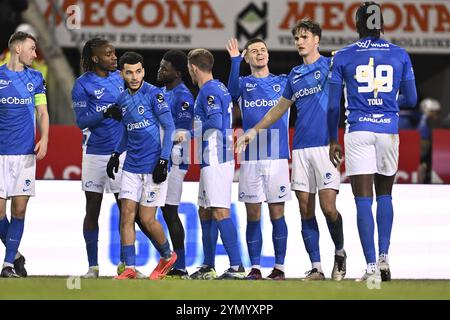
pixel 63 160
pixel 441 156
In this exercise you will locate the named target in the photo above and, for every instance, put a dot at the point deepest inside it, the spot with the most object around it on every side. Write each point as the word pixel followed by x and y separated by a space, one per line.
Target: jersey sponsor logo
pixel 15 100
pixel 141 109
pixel 242 195
pixel 317 75
pixel 30 86
pixel 100 108
pixel 4 83
pixel 303 92
pixel 185 105
pixel 260 103
pixel 90 184
pixel 375 118
pixel 138 125
pixel 79 104
pixel 368 43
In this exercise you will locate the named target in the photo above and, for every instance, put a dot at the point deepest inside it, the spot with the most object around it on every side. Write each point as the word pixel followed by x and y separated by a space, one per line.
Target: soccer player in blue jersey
pixel 264 171
pixel 172 69
pixel 213 125
pixel 373 71
pixel 94 96
pixel 312 170
pixel 144 177
pixel 22 90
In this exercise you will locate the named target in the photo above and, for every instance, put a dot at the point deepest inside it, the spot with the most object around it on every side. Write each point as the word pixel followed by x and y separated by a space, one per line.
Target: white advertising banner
pixel 53 242
pixel 417 25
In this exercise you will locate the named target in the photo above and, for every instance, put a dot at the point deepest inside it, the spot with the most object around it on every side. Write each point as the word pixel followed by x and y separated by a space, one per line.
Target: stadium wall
pixel 53 240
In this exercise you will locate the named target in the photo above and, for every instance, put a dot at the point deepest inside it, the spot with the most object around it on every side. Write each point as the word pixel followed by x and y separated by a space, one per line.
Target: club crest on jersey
pixel 160 97
pixel 317 75
pixel 30 86
pixel 185 105
pixel 141 109
pixel 276 87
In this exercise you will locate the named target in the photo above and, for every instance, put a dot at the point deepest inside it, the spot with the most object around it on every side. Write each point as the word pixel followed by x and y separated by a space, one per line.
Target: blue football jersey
pixel 140 112
pixel 371 70
pixel 307 86
pixel 257 97
pixel 17 103
pixel 91 95
pixel 181 103
pixel 217 144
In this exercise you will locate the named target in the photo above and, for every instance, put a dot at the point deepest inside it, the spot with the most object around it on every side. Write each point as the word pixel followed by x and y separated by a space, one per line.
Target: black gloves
pixel 113 112
pixel 160 171
pixel 113 164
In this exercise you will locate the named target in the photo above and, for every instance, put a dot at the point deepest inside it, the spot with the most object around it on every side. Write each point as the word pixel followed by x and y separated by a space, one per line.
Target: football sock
pixel 4 224
pixel 254 241
pixel 385 217
pixel 310 234
pixel 366 227
pixel 13 238
pixel 228 235
pixel 279 238
pixel 129 255
pixel 91 239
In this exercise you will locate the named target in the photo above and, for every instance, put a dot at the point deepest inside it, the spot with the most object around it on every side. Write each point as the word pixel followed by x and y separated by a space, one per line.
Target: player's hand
pixel 177 154
pixel 245 139
pixel 113 112
pixel 335 153
pixel 41 149
pixel 180 136
pixel 113 165
pixel 233 48
pixel 160 172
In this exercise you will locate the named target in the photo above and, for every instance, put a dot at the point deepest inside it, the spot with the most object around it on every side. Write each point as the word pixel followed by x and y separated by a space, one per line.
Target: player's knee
pixel 19 211
pixel 330 211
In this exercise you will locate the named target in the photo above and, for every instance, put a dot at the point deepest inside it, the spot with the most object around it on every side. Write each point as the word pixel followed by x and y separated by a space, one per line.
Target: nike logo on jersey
pixel 99 93
pixel 250 89
pixel 296 79
pixel 4 83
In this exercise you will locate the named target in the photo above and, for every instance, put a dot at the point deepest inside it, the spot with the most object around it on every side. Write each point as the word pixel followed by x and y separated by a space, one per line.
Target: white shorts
pixel 17 175
pixel 370 152
pixel 94 177
pixel 215 185
pixel 141 189
pixel 264 180
pixel 312 170
pixel 175 185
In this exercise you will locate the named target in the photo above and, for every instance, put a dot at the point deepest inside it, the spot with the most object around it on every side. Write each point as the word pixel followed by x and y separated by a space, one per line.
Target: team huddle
pixel 136 145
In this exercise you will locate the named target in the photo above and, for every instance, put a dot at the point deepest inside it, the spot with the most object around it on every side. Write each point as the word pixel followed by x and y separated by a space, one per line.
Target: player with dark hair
pixel 264 171
pixel 307 87
pixel 172 69
pixel 373 72
pixel 94 96
pixel 22 93
pixel 144 178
